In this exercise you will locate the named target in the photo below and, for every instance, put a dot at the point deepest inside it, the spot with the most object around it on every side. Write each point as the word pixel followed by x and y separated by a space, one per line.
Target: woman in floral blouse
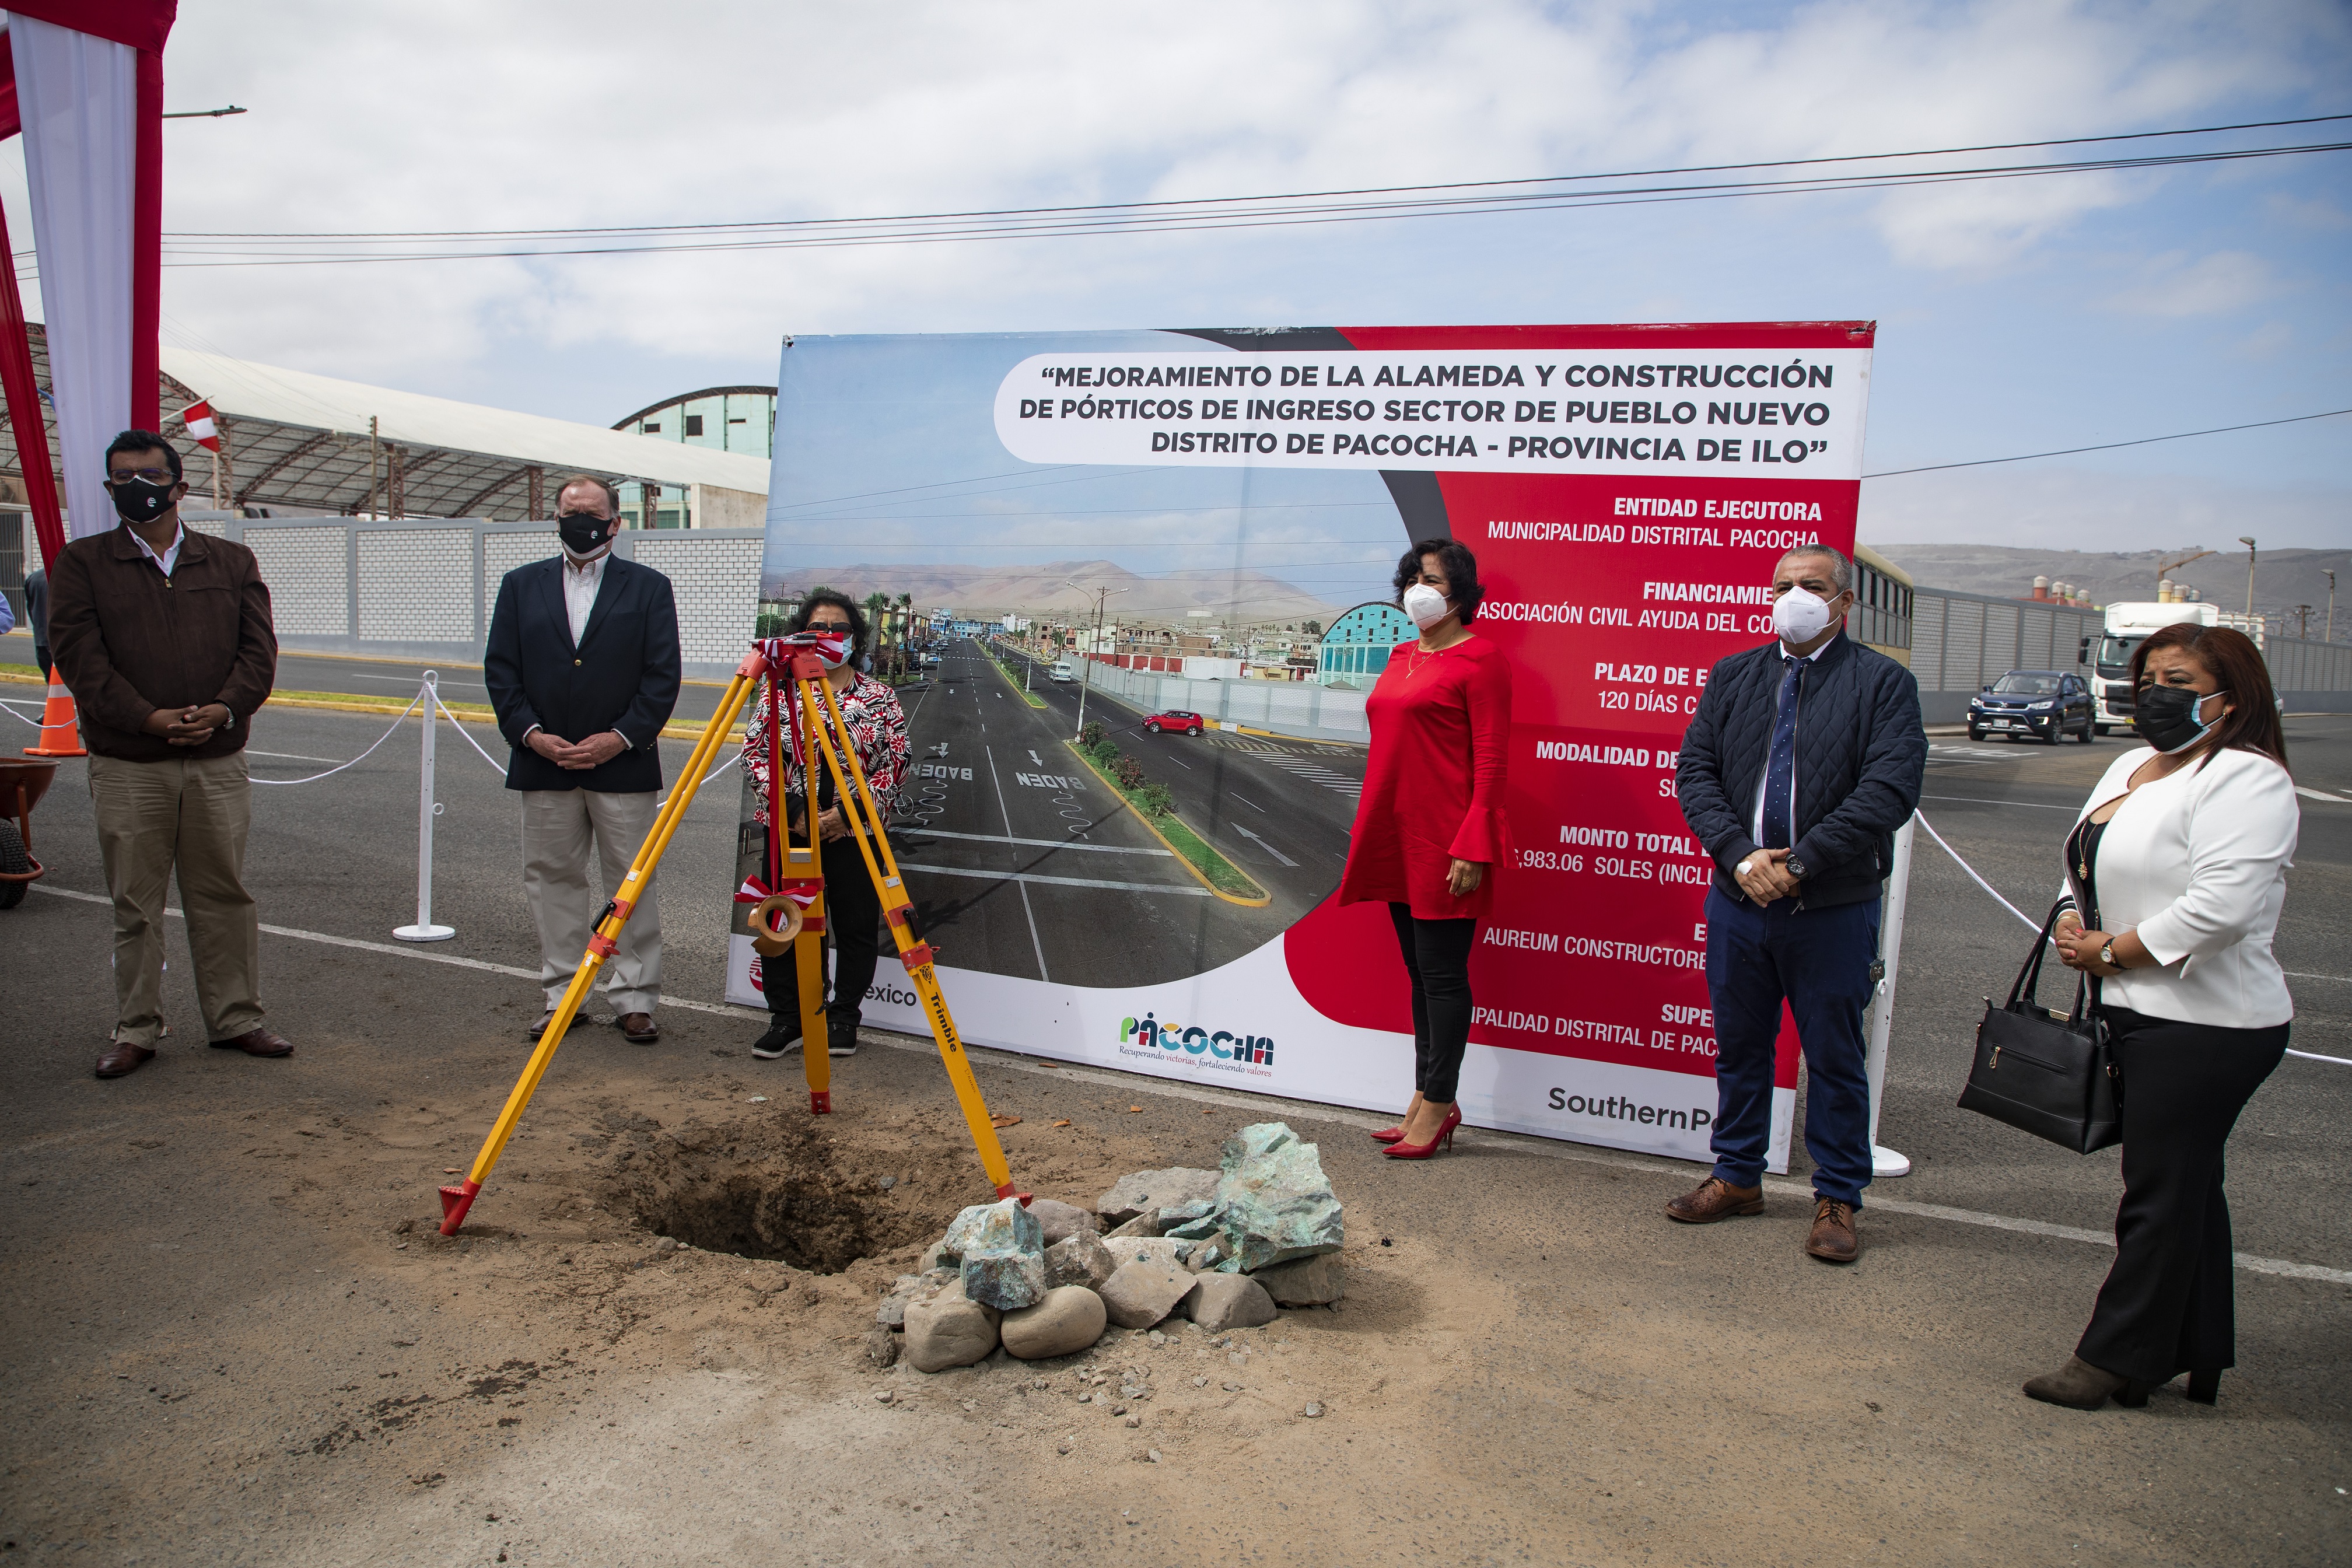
pixel 853 909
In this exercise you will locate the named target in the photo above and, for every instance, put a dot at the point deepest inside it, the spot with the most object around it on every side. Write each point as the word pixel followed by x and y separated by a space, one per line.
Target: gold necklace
pixel 1418 659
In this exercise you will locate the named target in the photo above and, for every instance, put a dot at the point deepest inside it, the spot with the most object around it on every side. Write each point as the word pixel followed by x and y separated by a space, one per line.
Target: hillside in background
pixel 2283 579
pixel 1032 589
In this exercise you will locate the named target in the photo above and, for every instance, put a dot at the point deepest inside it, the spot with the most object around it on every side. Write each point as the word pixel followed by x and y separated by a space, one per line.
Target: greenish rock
pixel 1195 1229
pixel 1273 1202
pixel 1148 1192
pixel 1002 1251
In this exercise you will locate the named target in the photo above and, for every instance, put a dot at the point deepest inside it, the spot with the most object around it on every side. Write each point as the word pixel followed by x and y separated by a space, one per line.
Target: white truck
pixel 2128 626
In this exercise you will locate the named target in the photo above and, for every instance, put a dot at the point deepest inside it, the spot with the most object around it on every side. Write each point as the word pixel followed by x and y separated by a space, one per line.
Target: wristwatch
pixel 1797 868
pixel 2107 954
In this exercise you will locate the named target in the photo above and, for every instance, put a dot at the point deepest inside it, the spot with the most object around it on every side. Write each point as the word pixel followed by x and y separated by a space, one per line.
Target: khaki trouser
pixel 194 816
pixel 558 826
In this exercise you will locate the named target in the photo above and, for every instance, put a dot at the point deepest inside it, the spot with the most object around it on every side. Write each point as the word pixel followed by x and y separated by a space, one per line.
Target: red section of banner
pixel 142 24
pixel 1614 596
pixel 24 399
pixel 12 119
pixel 147 246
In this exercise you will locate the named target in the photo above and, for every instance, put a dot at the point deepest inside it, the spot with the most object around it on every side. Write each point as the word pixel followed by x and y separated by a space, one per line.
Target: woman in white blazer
pixel 2175 873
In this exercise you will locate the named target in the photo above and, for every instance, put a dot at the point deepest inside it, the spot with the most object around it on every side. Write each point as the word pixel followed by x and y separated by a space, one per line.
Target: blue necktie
pixel 1781 771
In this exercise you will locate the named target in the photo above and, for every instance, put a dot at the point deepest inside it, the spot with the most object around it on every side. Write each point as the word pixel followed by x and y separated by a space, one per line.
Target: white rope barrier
pixel 460 725
pixel 2036 926
pixel 355 762
pixel 10 708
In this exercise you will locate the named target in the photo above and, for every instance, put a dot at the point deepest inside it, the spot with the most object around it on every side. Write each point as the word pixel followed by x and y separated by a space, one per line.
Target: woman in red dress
pixel 1430 828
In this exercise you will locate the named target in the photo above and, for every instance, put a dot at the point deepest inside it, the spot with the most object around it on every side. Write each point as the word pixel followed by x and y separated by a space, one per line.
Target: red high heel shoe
pixel 1389 1134
pixel 1401 1149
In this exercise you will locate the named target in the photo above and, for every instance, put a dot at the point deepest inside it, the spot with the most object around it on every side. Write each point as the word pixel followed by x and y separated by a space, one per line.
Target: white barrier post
pixel 1886 1162
pixel 424 929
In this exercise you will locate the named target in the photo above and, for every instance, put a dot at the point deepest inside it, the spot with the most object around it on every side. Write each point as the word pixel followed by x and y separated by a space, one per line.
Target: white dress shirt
pixel 2196 863
pixel 171 556
pixel 1764 779
pixel 580 580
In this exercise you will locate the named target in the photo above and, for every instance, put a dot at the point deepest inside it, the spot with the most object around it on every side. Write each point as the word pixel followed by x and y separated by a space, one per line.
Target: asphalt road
pixel 1023 862
pixel 1760 1361
pixel 395 681
pixel 1280 809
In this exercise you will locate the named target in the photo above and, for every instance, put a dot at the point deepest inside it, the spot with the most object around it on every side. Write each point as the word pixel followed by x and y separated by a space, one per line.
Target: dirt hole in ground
pixel 810 1225
pixel 802 1204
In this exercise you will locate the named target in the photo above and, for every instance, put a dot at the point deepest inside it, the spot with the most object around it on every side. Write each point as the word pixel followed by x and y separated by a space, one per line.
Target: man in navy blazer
pixel 582 665
pixel 1804 757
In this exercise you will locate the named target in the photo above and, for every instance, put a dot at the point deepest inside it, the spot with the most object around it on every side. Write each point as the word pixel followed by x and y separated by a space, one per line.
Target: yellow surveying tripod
pixel 818 727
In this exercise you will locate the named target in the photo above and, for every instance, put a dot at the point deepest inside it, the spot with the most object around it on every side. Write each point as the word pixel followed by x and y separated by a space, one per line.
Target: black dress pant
pixel 853 921
pixel 1437 962
pixel 2167 1305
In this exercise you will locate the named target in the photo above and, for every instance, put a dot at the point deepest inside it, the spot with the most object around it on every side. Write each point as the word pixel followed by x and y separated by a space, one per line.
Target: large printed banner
pixel 1627 491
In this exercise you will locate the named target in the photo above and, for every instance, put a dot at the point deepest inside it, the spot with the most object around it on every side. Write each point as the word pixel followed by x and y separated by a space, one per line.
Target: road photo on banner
pixel 1156 569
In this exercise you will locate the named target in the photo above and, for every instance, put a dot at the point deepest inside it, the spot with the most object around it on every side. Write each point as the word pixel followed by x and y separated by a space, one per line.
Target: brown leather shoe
pixel 124 1057
pixel 640 1028
pixel 1833 1240
pixel 1715 1199
pixel 256 1043
pixel 536 1030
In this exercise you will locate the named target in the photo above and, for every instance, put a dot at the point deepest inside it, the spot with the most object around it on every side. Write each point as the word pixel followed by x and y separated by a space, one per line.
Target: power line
pixel 2109 446
pixel 1491 197
pixel 1286 218
pixel 1286 195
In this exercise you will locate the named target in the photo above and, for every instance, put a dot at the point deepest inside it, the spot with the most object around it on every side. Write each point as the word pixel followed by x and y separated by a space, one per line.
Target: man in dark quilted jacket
pixel 1804 757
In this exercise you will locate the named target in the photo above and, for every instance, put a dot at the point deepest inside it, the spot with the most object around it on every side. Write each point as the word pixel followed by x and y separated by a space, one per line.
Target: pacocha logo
pixel 1258 1050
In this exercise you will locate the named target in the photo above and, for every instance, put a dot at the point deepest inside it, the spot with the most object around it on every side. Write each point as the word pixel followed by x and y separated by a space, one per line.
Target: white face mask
pixel 1798 617
pixel 1425 604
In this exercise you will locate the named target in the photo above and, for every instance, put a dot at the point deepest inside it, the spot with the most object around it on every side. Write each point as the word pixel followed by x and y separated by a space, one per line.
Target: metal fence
pixel 1960 641
pixel 420 588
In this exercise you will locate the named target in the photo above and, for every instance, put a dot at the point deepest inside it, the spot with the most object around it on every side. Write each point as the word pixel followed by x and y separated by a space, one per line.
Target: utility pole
pixel 2247 541
pixel 224 467
pixel 1086 669
pixel 371 466
pixel 2303 612
pixel 2330 633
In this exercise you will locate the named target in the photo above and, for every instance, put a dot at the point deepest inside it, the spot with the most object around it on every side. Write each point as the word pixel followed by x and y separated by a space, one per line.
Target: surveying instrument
pixel 789 915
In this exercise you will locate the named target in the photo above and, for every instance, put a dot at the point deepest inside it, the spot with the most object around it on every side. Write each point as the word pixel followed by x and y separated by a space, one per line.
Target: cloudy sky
pixel 2015 316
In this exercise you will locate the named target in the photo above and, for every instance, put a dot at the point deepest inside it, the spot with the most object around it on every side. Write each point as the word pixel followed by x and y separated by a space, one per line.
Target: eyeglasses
pixel 153 476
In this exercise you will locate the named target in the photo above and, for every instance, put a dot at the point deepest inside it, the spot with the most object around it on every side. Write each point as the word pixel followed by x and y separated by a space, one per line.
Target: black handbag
pixel 2044 1072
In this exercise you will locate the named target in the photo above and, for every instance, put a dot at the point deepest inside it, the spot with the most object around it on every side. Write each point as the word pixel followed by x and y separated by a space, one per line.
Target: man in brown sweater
pixel 164 638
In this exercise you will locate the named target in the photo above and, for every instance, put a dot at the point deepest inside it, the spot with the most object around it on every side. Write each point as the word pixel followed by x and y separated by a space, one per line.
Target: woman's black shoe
pixel 783 1037
pixel 2205 1388
pixel 2079 1386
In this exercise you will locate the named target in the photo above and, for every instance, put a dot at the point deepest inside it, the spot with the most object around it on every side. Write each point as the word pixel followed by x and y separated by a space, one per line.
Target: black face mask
pixel 138 500
pixel 2166 717
pixel 584 534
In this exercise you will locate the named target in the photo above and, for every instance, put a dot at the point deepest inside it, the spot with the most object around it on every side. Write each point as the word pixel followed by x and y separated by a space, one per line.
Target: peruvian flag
pixel 199 419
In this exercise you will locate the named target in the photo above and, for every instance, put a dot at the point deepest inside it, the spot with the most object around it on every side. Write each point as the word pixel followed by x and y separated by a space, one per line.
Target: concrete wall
pixel 1285 707
pixel 424 588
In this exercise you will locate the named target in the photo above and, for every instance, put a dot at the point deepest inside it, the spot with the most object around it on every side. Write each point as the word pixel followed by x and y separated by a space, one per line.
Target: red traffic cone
pixel 58 738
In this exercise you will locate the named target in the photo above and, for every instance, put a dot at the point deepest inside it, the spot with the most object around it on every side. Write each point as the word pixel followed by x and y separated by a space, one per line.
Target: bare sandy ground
pixel 233 1335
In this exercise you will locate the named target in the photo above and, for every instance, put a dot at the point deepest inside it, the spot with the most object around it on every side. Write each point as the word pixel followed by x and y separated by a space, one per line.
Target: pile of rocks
pixel 1221 1249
